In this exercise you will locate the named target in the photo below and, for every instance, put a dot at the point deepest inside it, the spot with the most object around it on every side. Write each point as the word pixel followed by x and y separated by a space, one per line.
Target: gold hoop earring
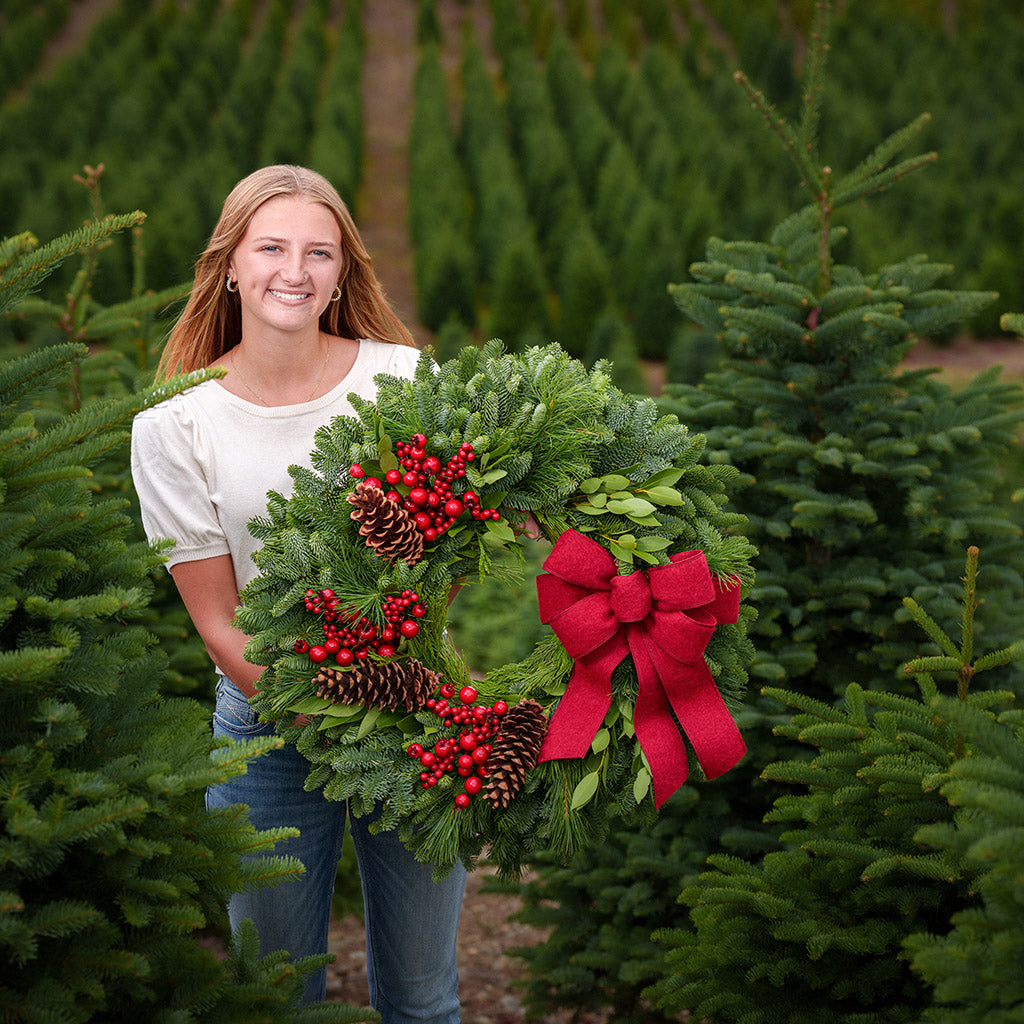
pixel 336 294
pixel 231 281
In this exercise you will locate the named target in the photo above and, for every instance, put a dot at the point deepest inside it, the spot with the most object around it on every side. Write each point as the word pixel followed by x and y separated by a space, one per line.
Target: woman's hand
pixel 530 529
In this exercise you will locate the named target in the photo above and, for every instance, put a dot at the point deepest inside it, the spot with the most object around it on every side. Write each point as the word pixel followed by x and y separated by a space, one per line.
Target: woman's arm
pixel 207 586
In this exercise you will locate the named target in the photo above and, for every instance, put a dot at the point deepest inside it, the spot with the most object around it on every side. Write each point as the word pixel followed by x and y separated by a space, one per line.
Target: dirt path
pixel 77 28
pixel 964 358
pixel 382 207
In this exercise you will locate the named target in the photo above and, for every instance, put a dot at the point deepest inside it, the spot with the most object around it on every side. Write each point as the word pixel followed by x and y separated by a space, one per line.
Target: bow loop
pixel 664 618
pixel 685 582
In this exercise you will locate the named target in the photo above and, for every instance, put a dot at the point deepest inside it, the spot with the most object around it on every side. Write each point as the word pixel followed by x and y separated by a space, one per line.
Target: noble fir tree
pixel 876 857
pixel 974 966
pixel 124 339
pixel 109 861
pixel 862 482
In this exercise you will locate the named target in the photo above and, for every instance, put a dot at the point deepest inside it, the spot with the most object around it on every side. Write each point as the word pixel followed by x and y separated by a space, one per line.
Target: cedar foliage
pixel 862 483
pixel 109 862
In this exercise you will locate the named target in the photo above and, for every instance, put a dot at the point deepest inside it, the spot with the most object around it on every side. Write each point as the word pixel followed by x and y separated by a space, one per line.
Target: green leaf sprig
pixel 617 495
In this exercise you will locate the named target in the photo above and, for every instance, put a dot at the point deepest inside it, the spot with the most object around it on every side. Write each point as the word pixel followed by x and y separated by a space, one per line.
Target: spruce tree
pixel 518 301
pixel 692 354
pixel 453 336
pixel 590 135
pixel 445 279
pixel 109 862
pixel 556 203
pixel 612 338
pixel 446 270
pixel 336 150
pixel 862 482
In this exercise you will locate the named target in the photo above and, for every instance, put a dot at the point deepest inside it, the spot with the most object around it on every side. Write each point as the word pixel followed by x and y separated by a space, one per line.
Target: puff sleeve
pixel 172 475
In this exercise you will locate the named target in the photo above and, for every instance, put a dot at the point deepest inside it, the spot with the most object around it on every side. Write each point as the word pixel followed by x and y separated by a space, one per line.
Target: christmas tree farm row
pixel 599 143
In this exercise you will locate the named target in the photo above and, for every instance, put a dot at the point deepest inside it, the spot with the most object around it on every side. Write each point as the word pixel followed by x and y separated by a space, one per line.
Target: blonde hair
pixel 211 322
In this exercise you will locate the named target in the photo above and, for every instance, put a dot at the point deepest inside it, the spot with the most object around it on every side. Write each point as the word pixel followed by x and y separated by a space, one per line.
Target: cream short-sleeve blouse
pixel 203 461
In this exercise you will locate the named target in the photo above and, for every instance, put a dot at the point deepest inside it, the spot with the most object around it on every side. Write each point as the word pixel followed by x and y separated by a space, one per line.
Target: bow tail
pixel 583 706
pixel 705 719
pixel 657 733
pixel 690 691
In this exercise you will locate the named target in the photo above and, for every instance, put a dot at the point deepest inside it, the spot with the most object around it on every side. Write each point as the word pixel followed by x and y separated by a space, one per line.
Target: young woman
pixel 286 301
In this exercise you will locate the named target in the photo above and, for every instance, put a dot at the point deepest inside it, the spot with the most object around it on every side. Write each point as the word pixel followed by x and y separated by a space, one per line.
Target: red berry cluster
pixel 394 612
pixel 351 637
pixel 429 497
pixel 466 753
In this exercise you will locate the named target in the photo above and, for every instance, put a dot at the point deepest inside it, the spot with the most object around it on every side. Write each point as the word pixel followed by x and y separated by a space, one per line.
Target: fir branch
pixel 20 377
pixel 1012 322
pixel 854 189
pixel 14 246
pixel 1005 656
pixel 811 177
pixel 931 627
pixel 814 77
pixel 107 420
pixel 126 315
pixel 31 267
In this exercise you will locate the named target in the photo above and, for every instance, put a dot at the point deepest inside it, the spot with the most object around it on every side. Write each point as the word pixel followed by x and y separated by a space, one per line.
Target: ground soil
pixel 959 360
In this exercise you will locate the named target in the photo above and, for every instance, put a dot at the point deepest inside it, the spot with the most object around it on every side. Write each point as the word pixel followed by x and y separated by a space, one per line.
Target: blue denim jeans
pixel 411 921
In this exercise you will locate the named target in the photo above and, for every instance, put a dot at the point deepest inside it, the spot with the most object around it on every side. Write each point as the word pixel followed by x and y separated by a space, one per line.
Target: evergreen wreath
pixel 428 488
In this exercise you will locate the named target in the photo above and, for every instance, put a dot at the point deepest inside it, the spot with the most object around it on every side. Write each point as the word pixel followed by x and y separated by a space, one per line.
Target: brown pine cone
pixel 514 752
pixel 385 525
pixel 383 684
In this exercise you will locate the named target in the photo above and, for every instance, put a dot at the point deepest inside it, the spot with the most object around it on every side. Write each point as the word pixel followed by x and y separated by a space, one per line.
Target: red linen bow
pixel 664 617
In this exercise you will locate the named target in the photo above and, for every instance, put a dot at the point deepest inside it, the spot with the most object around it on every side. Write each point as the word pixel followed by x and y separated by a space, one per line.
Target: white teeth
pixel 289 296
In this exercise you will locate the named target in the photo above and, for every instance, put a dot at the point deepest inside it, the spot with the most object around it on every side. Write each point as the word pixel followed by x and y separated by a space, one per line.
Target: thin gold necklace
pixel 259 397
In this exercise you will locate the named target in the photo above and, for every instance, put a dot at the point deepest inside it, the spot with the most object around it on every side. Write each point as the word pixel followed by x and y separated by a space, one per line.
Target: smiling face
pixel 286 265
